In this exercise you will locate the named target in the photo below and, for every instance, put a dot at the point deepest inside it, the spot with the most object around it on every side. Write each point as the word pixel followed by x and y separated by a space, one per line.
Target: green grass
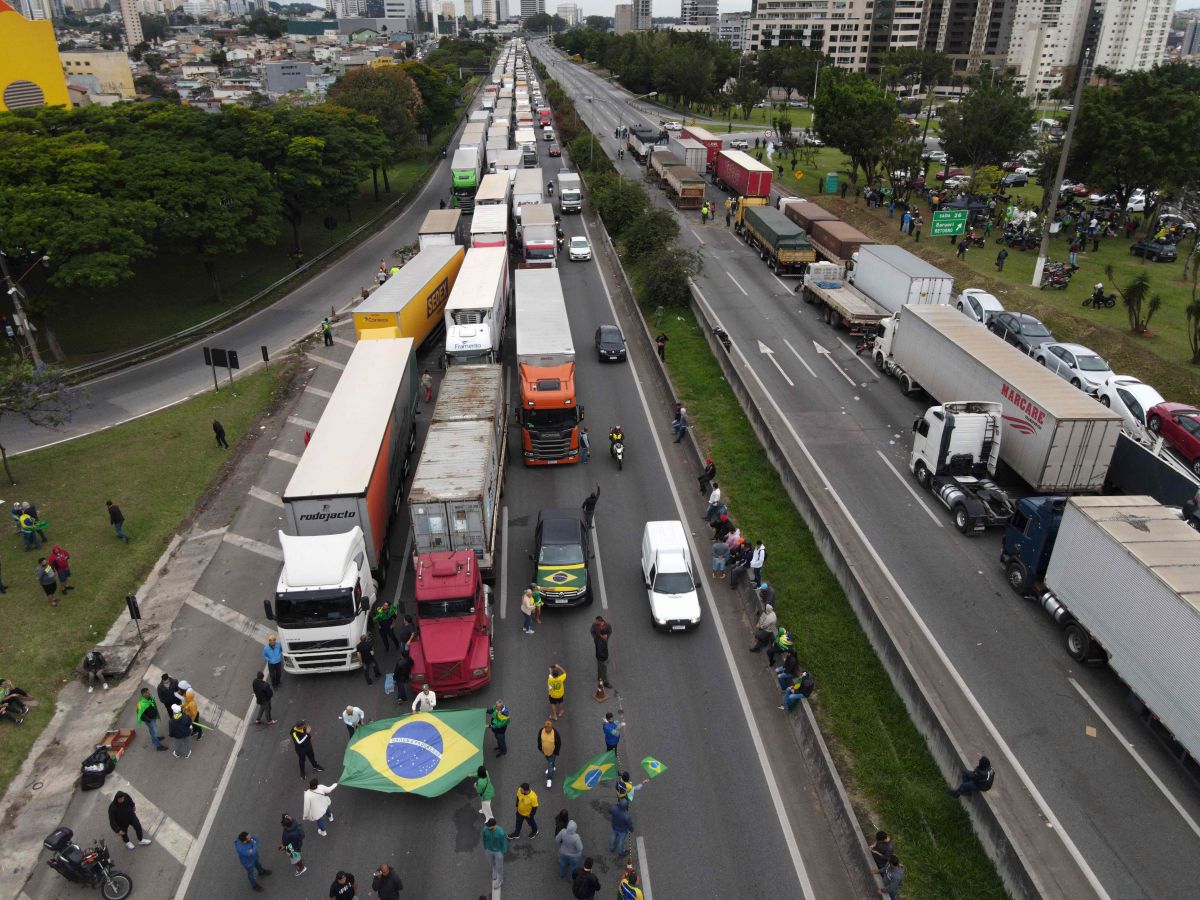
pixel 41 645
pixel 883 760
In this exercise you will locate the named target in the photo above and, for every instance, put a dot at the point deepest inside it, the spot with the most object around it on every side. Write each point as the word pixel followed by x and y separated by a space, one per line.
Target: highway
pixel 1112 793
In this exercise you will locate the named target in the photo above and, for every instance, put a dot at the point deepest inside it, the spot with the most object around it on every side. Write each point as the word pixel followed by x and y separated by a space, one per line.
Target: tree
pixel 270 27
pixel 588 154
pixel 745 93
pixel 539 23
pixel 154 61
pixel 1140 304
pixel 858 117
pixel 619 202
pixel 439 96
pixel 388 95
pixel 648 234
pixel 1193 322
pixel 662 278
pixel 989 124
pixel 218 59
pixel 39 396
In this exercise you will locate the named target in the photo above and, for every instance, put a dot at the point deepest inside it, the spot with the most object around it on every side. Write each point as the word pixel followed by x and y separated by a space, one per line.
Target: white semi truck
pixel 477 311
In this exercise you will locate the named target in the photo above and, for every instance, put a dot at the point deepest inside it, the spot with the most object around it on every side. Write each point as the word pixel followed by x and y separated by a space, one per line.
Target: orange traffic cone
pixel 600 696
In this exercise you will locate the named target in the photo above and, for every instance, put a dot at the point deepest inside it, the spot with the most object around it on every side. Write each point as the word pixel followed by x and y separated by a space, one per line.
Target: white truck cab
pixel 669 576
pixel 322 601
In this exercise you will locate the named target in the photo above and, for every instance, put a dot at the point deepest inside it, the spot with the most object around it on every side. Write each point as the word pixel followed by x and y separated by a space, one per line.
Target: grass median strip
pixel 888 772
pixel 156 469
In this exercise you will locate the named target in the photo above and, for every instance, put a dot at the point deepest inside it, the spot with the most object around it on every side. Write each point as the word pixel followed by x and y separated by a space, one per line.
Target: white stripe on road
pixel 303 423
pixel 212 716
pixel 796 353
pixel 158 826
pixel 504 561
pixel 333 364
pixel 317 392
pixel 866 365
pixel 735 281
pixel 908 487
pixel 599 567
pixel 284 456
pixel 253 546
pixel 644 867
pixel 699 239
pixel 345 342
pixel 787 287
pixel 265 496
pixel 231 617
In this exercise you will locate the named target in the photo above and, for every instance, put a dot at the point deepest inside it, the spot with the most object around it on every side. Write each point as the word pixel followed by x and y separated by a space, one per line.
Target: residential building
pixel 469 10
pixel 31 73
pixel 447 10
pixel 970 33
pixel 570 13
pixel 35 10
pixel 354 9
pixel 1045 42
pixel 399 9
pixel 623 18
pixel 854 34
pixel 698 12
pixel 132 23
pixel 530 8
pixel 1133 34
pixel 730 29
pixel 100 71
pixel 1191 39
pixel 642 13
pixel 283 77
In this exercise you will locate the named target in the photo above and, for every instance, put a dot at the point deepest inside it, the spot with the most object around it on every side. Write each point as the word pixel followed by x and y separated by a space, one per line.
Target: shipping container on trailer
pixel 781 243
pixel 711 143
pixel 693 153
pixel 837 241
pixel 409 304
pixel 805 213
pixel 742 174
pixel 684 187
pixel 893 277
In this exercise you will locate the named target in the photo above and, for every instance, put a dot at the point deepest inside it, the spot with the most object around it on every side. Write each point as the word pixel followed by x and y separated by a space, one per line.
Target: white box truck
pixel 493 190
pixel 489 227
pixel 893 277
pixel 526 142
pixel 441 228
pixel 570 192
pixel 538 236
pixel 527 189
pixel 477 311
pixel 1055 436
pixel 508 162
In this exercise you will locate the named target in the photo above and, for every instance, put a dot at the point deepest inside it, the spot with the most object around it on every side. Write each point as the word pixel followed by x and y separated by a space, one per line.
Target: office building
pixel 623 18
pixel 283 77
pixel 698 12
pixel 530 8
pixel 31 73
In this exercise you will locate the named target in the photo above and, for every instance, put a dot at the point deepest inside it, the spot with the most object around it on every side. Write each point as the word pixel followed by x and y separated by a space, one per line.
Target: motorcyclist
pixel 615 435
pixel 443 153
pixel 1098 293
pixel 561 237
pixel 550 188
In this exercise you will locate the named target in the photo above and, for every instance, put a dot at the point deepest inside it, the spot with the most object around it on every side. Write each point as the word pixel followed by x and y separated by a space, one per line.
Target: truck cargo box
pixel 710 142
pixel 776 230
pixel 837 241
pixel 742 174
pixel 409 304
pixel 805 213
pixel 661 161
pixel 442 227
pixel 893 277
pixel 693 153
pixel 684 187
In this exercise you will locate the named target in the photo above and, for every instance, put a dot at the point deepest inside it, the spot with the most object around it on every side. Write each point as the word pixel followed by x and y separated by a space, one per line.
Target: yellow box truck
pixel 410 303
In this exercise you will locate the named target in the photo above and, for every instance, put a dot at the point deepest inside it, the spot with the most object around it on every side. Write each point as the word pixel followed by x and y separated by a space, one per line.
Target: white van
pixel 547 133
pixel 669 576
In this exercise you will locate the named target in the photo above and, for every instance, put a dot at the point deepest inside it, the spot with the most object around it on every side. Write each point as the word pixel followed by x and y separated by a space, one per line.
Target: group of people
pixel 13 702
pixel 183 707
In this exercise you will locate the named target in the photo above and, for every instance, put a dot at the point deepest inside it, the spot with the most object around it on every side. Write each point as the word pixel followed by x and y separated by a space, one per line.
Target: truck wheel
pixel 922 475
pixel 906 384
pixel 962 521
pixel 1017 576
pixel 880 363
pixel 1079 644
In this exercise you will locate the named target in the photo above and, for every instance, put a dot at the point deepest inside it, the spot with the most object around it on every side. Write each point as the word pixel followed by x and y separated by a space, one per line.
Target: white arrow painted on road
pixel 825 353
pixel 770 354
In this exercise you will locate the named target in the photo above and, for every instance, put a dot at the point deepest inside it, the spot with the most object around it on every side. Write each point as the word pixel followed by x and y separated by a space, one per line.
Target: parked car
pixel 1012 179
pixel 1025 170
pixel 562 549
pixel 957 181
pixel 947 174
pixel 1137 201
pixel 610 343
pixel 1021 330
pixel 938 156
pixel 672 125
pixel 978 305
pixel 1171 219
pixel 1179 424
pixel 1158 251
pixel 1130 399
pixel 579 249
pixel 1075 363
pixel 739 144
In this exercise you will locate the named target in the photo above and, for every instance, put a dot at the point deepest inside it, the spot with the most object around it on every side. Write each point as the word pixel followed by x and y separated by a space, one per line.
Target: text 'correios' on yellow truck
pixel 410 303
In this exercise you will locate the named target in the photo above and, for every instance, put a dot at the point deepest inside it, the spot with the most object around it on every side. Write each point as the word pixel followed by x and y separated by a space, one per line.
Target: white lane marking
pixel 284 456
pixel 240 623
pixel 735 281
pixel 303 423
pixel 770 354
pixel 908 487
pixel 599 566
pixel 796 353
pixel 1128 745
pixel 866 365
pixel 930 640
pixel 317 392
pixel 333 364
pixel 193 858
pixel 744 705
pixel 158 826
pixel 265 496
pixel 787 287
pixel 504 561
pixel 253 546
pixel 345 342
pixel 822 351
pixel 696 235
pixel 212 715
pixel 644 866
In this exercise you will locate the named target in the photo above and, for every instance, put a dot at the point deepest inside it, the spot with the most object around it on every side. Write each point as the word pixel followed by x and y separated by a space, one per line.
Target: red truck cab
pixel 452 652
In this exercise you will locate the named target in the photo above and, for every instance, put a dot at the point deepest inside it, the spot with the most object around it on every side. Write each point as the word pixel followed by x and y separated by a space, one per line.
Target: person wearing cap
pixel 317 805
pixel 766 594
pixel 782 644
pixel 426 701
pixel 180 731
pixel 707 476
pixel 343 887
pixel 495 845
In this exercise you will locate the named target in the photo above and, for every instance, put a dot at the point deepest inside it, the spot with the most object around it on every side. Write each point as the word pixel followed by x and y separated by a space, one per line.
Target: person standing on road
pixel 757 559
pixel 366 655
pixel 707 477
pixel 527 611
pixel 427 385
pixel 262 695
pixel 219 432
pixel 352 717
pixel 585 444
pixel 122 815
pixel 626 789
pixel 539 602
pixel 191 708
pixel 400 676
pixel 326 332
pixel 303 745
pixel 485 791
pixel 385 621
pixel 317 805
pixel 495 845
pixel 499 726
pixel 272 653
pixel 612 733
pixel 291 842
pixel 622 824
pixel 166 690
pixel 148 715
pixel 589 506
pixel 180 730
pixel 629 888
pixel 714 504
pixel 549 745
pixel 246 846
pixel 386 883
pixel 570 849
pixel 556 686
pixel 527 807
pixel 426 701
pixel 584 884
pixel 601 632
pixel 116 518
pixel 408 631
pixel 343 887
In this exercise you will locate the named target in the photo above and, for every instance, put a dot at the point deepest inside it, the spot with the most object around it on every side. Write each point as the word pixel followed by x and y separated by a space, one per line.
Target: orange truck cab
pixel 550 413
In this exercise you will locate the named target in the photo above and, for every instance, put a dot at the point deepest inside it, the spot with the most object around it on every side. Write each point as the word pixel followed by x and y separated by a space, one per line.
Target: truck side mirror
pixel 268 610
pixel 916 424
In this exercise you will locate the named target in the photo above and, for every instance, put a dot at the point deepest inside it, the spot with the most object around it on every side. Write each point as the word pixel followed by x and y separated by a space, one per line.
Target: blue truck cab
pixel 1029 539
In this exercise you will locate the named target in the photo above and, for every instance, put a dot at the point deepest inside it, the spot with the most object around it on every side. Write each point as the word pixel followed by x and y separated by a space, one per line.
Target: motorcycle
pixel 616 450
pixel 91 868
pixel 1092 301
pixel 550 188
pixel 866 344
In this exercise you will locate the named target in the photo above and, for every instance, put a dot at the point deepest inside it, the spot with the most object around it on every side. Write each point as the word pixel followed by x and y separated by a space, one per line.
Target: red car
pixel 950 173
pixel 1179 424
pixel 554 150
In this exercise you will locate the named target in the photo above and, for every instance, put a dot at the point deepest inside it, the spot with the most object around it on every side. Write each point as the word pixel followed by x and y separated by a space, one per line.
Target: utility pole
pixel 20 320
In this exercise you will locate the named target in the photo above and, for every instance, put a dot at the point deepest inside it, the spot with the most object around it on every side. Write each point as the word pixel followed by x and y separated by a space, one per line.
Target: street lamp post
pixel 18 295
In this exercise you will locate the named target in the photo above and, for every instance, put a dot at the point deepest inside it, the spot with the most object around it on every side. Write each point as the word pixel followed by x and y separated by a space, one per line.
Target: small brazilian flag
pixel 602 768
pixel 653 767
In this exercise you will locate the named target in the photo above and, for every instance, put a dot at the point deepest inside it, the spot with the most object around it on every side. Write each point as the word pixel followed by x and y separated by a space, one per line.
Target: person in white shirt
pixel 426 700
pixel 352 717
pixel 714 502
pixel 317 805
pixel 757 558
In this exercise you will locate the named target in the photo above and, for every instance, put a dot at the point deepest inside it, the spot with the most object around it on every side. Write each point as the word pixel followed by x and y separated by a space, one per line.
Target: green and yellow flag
pixel 602 768
pixel 427 753
pixel 653 767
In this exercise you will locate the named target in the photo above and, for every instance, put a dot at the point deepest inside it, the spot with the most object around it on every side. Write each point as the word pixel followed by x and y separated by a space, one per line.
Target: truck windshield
pixel 312 609
pixel 468 357
pixel 544 419
pixel 673 583
pixel 536 252
pixel 447 609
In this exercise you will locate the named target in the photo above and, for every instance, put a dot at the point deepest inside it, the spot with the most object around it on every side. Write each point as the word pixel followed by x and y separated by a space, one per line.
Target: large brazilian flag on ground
pixel 425 753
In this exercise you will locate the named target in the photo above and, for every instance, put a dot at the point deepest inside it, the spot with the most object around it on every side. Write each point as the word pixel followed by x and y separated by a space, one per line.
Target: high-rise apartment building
pixel 971 33
pixel 698 12
pixel 469 10
pixel 132 23
pixel 447 10
pixel 1191 39
pixel 642 12
pixel 570 13
pixel 35 10
pixel 530 8
pixel 1045 41
pixel 730 29
pixel 623 18
pixel 1133 34
pixel 854 33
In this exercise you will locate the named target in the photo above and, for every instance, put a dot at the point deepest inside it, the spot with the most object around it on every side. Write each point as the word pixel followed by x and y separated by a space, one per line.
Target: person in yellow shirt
pixel 556 686
pixel 527 805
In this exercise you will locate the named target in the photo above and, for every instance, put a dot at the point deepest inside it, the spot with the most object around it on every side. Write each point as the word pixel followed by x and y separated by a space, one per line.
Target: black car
pixel 1014 179
pixel 610 343
pixel 561 553
pixel 1158 251
pixel 1021 330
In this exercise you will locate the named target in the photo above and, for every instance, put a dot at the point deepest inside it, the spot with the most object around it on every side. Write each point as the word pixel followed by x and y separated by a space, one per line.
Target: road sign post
pixel 948 222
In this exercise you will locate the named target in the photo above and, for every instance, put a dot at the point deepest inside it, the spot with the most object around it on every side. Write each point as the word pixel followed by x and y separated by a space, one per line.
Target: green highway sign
pixel 947 222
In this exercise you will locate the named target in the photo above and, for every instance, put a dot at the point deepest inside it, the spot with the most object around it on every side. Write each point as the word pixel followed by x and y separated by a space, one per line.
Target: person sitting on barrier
pixel 764 628
pixel 801 688
pixel 782 644
pixel 787 672
pixel 978 779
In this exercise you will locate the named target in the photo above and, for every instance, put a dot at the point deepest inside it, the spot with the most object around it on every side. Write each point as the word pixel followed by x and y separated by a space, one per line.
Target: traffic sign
pixel 799 174
pixel 947 222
